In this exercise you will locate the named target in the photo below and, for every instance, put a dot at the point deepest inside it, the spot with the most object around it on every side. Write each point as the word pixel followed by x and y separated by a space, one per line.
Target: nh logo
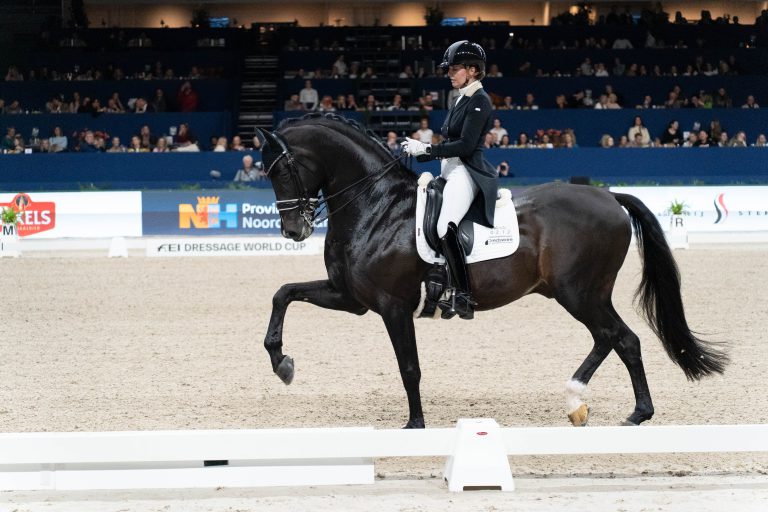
pixel 208 214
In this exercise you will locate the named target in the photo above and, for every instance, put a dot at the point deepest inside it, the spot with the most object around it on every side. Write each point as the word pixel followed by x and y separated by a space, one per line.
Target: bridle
pixel 310 207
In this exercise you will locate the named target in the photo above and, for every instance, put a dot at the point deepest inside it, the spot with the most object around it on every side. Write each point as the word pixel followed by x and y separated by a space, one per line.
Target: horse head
pixel 295 185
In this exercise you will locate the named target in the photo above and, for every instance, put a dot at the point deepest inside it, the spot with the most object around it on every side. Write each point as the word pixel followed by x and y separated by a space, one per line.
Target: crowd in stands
pixel 110 72
pixel 185 100
pixel 181 139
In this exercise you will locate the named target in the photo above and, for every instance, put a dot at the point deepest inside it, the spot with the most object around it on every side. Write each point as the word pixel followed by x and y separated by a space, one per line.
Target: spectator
pixel 237 144
pixel 88 145
pixel 721 99
pixel 424 133
pixel 112 107
pixel 18 145
pixel 530 102
pixel 406 73
pixel 493 72
pixel 186 99
pixel 58 140
pixel 750 103
pixel 118 104
pixel 545 142
pixel 569 140
pixel 13 75
pixel 352 103
pixel 613 102
pixel 619 68
pixel 158 101
pixel 369 73
pixel 148 140
pixel 507 105
pixel 397 104
pixel 340 103
pixel 722 141
pixel 392 144
pixel 639 128
pixel 256 143
pixel 703 141
pixel 161 146
pixel 55 106
pixel 715 129
pixel 606 141
pixel 293 104
pixel 647 102
pixel 136 146
pixel 498 131
pixel 522 140
pixel 503 169
pixel 74 105
pixel 308 96
pixel 623 141
pixel 14 108
pixel 326 104
pixel 248 173
pixel 371 104
pixel 489 141
pixel 637 141
pixel 141 106
pixel 339 68
pixel 7 142
pixel 671 136
pixel 761 141
pixel 739 141
pixel 692 141
pixel 45 146
pixel 221 145
pixel 622 43
pixel 600 70
pixel 505 143
pixel 116 146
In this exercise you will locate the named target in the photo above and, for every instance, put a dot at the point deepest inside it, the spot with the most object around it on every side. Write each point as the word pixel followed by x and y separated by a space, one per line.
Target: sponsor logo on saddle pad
pixel 34 217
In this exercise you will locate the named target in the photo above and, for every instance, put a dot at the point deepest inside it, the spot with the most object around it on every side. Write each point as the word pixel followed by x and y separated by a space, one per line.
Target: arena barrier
pixel 477 451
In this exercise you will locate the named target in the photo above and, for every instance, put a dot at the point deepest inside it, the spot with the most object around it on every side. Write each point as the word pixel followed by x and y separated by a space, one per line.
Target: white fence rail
pixel 316 456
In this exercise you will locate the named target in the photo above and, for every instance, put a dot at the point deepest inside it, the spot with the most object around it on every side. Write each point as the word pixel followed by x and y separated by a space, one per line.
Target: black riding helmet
pixel 462 52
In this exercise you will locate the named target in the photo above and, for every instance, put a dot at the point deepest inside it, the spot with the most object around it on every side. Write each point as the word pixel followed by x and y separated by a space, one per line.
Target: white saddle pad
pixel 490 243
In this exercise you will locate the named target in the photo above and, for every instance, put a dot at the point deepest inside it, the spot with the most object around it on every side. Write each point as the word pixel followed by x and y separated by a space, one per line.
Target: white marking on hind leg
pixel 574 390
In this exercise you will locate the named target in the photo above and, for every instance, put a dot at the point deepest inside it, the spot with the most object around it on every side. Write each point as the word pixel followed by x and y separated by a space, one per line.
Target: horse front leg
pixel 399 323
pixel 319 293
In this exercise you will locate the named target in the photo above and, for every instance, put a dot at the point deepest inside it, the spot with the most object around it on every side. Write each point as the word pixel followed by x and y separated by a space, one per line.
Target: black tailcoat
pixel 464 130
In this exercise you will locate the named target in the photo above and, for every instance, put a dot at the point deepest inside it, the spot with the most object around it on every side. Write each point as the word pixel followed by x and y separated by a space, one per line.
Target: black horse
pixel 574 239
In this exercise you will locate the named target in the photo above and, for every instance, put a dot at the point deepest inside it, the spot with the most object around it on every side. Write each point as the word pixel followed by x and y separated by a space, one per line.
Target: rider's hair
pixel 478 65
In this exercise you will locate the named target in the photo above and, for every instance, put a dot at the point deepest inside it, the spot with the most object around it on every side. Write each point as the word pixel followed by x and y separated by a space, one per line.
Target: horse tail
pixel 660 299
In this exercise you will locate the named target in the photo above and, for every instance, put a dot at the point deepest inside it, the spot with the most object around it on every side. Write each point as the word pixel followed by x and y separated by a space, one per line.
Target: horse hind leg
pixel 609 332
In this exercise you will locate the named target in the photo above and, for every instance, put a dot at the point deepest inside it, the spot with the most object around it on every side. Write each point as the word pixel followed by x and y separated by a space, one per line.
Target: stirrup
pixel 460 304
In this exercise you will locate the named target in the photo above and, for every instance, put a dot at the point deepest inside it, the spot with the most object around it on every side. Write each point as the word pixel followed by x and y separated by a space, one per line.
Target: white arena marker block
pixel 118 248
pixel 678 234
pixel 479 458
pixel 9 241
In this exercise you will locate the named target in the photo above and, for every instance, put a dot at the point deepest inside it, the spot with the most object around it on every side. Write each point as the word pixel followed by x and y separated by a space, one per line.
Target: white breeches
pixel 460 191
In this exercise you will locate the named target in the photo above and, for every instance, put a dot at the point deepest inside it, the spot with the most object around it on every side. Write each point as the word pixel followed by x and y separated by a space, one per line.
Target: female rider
pixel 471 181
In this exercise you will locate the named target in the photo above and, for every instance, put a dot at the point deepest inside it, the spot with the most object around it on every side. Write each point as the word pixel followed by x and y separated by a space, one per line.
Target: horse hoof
pixel 580 416
pixel 627 423
pixel 285 370
pixel 414 424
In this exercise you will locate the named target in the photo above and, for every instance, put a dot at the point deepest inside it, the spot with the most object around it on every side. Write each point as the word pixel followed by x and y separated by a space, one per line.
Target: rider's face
pixel 458 75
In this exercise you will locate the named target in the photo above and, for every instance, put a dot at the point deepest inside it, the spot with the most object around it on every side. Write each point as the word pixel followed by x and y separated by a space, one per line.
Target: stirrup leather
pixel 460 301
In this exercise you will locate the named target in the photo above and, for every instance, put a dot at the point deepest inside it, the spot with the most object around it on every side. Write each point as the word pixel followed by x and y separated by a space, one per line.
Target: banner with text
pixel 75 214
pixel 212 213
pixel 714 208
pixel 232 246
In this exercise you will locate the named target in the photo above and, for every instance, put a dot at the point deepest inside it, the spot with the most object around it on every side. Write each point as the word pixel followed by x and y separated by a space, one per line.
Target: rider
pixel 471 181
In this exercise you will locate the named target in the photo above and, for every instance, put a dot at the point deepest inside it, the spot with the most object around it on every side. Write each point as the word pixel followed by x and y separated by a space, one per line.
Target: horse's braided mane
pixel 343 121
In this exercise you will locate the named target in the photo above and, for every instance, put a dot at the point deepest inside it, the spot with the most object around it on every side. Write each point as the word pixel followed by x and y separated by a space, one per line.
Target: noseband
pixel 306 204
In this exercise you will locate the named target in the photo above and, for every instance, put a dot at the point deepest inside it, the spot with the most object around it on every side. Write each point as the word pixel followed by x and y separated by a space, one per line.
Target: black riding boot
pixel 460 302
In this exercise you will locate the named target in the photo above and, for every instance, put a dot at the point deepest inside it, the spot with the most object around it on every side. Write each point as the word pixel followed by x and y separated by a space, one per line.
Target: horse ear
pixel 269 139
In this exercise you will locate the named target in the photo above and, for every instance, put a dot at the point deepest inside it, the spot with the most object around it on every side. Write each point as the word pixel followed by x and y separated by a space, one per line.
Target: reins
pixel 310 207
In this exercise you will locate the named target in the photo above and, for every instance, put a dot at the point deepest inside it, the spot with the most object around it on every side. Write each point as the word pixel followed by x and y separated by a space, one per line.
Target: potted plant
pixel 677 209
pixel 9 234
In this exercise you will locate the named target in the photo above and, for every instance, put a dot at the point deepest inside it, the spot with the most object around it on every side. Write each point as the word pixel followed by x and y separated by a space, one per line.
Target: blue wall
pixel 615 166
pixel 202 124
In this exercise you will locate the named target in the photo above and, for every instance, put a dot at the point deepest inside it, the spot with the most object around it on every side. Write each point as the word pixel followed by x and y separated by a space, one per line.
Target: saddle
pixel 432 212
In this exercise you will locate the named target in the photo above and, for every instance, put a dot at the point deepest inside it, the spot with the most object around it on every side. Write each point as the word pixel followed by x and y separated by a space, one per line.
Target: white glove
pixel 415 147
